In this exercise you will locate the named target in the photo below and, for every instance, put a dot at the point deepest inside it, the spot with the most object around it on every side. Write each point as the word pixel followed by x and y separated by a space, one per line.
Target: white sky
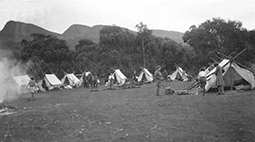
pixel 172 15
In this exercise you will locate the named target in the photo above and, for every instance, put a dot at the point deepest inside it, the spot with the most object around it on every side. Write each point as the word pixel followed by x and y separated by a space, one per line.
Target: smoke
pixel 9 67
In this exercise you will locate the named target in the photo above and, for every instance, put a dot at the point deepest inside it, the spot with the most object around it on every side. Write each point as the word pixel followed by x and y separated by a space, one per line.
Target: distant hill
pixel 77 32
pixel 14 32
pixel 176 36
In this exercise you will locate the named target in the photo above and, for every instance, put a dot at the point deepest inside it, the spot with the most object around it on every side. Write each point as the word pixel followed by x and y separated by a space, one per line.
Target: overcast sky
pixel 172 15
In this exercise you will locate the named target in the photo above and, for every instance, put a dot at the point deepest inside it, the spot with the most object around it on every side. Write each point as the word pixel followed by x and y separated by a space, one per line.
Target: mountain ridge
pixel 15 31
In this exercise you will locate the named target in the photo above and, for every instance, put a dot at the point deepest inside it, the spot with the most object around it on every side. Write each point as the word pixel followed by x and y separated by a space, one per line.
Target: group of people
pixel 90 81
pixel 158 76
pixel 219 78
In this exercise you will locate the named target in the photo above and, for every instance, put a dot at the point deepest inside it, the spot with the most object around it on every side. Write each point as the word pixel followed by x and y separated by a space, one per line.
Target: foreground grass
pixel 131 115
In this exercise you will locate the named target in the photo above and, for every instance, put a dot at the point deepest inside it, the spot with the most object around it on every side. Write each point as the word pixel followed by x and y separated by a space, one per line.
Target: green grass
pixel 131 115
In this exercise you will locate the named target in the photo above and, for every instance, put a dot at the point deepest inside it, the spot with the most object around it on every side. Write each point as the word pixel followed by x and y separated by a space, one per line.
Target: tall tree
pixel 145 40
pixel 53 52
pixel 216 35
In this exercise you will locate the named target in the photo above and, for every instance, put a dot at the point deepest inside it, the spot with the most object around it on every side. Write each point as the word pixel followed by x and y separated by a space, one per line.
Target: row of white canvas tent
pixel 120 78
pixel 146 76
pixel 51 81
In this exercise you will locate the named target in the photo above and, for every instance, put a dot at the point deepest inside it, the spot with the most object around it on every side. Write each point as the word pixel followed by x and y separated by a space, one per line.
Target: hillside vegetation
pixel 101 48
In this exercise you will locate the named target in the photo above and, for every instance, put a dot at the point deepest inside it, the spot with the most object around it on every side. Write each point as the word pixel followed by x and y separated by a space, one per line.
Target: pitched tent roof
pixel 51 81
pixel 118 76
pixel 233 73
pixel 145 73
pixel 21 80
pixel 179 74
pixel 71 79
pixel 80 77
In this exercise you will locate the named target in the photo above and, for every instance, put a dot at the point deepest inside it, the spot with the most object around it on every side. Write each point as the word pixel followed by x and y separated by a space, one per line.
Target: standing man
pixel 202 79
pixel 165 73
pixel 219 79
pixel 158 77
pixel 31 86
pixel 111 79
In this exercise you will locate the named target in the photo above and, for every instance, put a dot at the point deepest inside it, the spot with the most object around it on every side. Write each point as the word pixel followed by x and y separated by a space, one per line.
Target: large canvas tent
pixel 145 75
pixel 118 76
pixel 50 81
pixel 233 75
pixel 71 79
pixel 179 74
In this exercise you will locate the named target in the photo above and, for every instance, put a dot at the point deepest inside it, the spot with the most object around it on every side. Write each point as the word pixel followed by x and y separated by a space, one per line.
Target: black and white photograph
pixel 127 71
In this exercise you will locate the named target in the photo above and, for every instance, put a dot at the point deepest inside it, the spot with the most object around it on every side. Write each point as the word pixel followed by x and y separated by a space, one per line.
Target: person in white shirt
pixel 202 79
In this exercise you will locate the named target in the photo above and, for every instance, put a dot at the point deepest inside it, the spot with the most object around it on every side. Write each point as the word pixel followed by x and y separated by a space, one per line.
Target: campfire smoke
pixel 9 68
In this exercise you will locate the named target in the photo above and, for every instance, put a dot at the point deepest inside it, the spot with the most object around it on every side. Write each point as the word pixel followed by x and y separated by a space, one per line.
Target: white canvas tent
pixel 118 76
pixel 22 81
pixel 51 81
pixel 179 74
pixel 80 77
pixel 145 74
pixel 232 75
pixel 71 79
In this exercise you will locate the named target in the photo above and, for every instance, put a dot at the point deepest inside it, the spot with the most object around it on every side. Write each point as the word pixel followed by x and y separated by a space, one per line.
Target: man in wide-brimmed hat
pixel 158 77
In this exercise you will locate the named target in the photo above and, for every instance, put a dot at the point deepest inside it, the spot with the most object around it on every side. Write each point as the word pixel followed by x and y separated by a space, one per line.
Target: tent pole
pixel 224 56
pixel 219 57
pixel 231 76
pixel 239 53
pixel 230 55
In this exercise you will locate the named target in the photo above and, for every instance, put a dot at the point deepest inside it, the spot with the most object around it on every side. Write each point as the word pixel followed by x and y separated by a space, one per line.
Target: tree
pixel 216 35
pixel 49 50
pixel 144 37
pixel 83 43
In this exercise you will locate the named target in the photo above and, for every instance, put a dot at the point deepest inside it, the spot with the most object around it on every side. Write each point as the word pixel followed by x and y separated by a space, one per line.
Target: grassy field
pixel 131 115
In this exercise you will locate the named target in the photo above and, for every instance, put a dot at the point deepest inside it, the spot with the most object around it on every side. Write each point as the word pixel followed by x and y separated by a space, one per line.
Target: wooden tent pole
pixel 64 71
pixel 223 55
pixel 213 60
pixel 231 54
pixel 219 57
pixel 231 76
pixel 239 53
